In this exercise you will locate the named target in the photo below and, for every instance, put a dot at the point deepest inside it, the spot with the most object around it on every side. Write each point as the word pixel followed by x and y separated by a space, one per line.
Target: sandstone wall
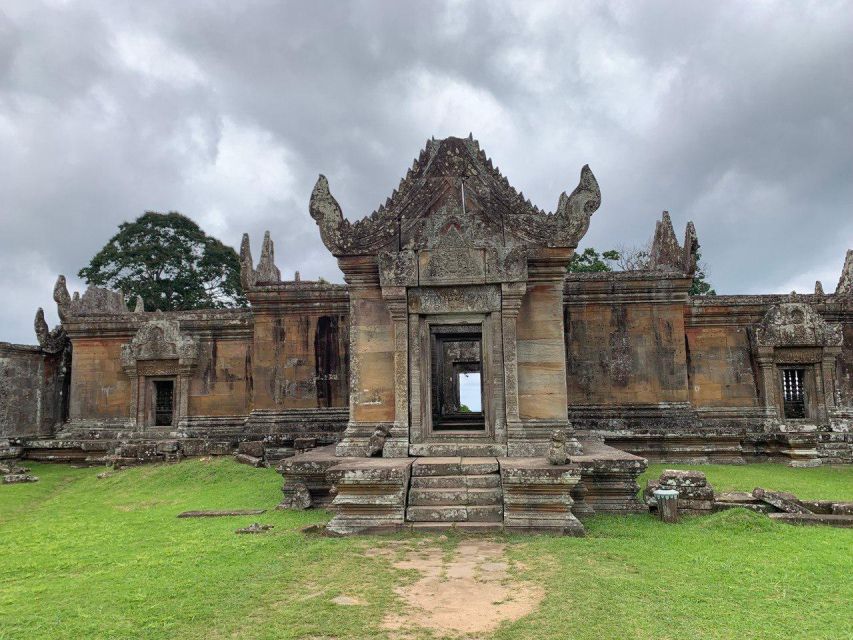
pixel 625 353
pixel 31 390
pixel 222 383
pixel 100 390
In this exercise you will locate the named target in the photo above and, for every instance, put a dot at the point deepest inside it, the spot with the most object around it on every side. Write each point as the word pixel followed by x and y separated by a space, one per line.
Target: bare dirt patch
pixel 468 591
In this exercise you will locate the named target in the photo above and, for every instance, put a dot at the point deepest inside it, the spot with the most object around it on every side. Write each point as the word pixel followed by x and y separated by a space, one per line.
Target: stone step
pixel 470 527
pixel 455 465
pixel 490 513
pixel 455 497
pixel 488 481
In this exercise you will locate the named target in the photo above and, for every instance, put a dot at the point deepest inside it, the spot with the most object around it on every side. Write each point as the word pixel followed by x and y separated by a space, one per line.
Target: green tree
pixel 591 261
pixel 169 261
pixel 699 286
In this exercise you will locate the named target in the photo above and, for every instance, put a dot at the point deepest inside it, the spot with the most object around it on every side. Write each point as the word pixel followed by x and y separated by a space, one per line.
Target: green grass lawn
pixel 88 558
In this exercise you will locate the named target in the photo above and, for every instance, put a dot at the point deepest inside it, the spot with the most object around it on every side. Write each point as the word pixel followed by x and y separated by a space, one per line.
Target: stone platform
pixel 371 495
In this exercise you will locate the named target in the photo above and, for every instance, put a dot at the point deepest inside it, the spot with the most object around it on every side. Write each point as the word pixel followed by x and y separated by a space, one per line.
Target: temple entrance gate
pixel 457 273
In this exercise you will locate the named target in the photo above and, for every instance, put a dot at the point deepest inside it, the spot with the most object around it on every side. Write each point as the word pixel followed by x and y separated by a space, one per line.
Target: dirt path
pixel 469 592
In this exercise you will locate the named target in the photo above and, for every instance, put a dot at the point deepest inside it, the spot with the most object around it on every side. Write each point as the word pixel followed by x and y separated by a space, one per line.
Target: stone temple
pixel 457 282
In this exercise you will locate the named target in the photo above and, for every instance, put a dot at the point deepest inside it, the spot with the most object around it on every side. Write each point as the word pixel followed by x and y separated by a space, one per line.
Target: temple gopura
pixel 457 281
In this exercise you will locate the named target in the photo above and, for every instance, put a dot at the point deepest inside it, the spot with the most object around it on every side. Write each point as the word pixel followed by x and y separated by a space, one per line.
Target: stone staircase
pixel 455 491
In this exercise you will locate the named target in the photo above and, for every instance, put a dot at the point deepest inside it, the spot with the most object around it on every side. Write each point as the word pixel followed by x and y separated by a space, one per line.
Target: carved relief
pixel 795 324
pixel 473 299
pixel 398 268
pixel 160 339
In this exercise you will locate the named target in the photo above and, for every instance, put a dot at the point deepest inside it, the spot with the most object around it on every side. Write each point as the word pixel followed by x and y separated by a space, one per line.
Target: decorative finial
pixel 267 271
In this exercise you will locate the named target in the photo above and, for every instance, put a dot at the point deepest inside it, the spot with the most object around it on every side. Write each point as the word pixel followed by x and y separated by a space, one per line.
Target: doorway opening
pixel 164 402
pixel 457 379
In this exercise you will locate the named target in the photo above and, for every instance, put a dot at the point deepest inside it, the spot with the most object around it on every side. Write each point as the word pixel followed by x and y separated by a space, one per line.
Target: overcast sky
pixel 738 116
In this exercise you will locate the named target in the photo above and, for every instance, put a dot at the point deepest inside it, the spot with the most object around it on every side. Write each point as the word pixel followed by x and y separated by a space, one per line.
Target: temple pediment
pixel 453 196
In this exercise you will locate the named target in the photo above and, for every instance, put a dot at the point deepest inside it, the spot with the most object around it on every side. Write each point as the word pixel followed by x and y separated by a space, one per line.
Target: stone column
pixel 397 445
pixel 512 293
pixel 827 367
pixel 767 381
pixel 372 357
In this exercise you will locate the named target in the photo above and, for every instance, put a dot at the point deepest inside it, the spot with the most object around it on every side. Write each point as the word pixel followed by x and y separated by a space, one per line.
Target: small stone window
pixel 164 402
pixel 793 393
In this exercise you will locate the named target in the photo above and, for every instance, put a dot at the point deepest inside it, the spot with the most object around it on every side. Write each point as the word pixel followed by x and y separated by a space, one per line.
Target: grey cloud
pixel 736 116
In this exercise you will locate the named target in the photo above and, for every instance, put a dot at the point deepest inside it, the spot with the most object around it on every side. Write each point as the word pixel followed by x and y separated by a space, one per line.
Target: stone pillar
pixel 767 381
pixel 512 293
pixel 827 367
pixel 397 445
pixel 372 357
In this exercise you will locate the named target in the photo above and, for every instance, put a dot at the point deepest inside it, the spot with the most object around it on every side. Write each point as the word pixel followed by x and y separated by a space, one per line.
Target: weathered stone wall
pixel 719 367
pixel 625 340
pixel 31 390
pixel 99 388
pixel 300 346
pixel 222 382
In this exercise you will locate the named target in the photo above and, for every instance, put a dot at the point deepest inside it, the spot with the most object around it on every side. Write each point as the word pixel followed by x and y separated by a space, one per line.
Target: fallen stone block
pixel 13 470
pixel 19 478
pixel 829 520
pixel 255 527
pixel 786 502
pixel 252 461
pixel 221 513
pixel 677 479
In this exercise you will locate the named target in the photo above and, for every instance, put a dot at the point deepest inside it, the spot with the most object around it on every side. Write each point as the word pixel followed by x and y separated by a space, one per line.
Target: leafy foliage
pixel 700 286
pixel 591 261
pixel 633 258
pixel 169 261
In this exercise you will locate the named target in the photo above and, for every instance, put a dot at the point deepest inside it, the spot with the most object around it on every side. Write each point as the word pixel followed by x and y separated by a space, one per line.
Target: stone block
pixel 842 508
pixel 252 461
pixel 254 448
pixel 19 478
pixel 786 502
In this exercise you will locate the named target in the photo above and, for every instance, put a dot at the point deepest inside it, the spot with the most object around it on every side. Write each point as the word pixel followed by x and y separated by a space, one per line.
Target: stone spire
pixel 818 288
pixel 247 270
pixel 669 256
pixel 666 253
pixel 845 282
pixel 691 249
pixel 140 305
pixel 267 271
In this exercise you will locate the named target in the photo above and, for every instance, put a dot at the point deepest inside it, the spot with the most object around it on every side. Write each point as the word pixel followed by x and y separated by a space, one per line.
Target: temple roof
pixel 454 188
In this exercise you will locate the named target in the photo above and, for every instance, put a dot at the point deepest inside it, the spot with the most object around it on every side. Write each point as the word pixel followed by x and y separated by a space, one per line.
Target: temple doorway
pixel 457 379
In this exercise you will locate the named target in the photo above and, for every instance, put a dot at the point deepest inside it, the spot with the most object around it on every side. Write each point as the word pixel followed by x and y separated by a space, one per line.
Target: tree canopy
pixel 170 262
pixel 590 261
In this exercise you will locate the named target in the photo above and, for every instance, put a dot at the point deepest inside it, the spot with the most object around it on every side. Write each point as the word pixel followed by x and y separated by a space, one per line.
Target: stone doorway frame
pixel 423 439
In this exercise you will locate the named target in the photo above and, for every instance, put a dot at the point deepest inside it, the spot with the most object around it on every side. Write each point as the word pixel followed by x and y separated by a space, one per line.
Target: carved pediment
pixel 454 196
pixel 160 340
pixel 796 324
